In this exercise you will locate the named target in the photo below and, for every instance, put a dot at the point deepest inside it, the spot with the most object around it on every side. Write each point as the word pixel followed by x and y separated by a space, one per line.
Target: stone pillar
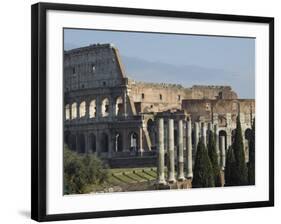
pixel 196 136
pixel 189 173
pixel 180 156
pixel 97 142
pixel 125 142
pixel 171 151
pixel 222 149
pixel 98 107
pixel 87 143
pixel 161 153
pixel 78 110
pixel 125 103
pixel 110 144
pixel 203 133
pixel 217 139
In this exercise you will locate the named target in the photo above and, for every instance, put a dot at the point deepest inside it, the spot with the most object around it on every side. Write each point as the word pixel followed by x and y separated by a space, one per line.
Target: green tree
pixel 238 148
pixel 203 171
pixel 80 171
pixel 212 152
pixel 230 168
pixel 251 164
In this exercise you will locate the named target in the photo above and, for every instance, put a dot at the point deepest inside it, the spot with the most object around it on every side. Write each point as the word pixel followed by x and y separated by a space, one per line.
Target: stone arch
pixel 92 142
pixel 119 106
pixel 134 145
pixel 104 142
pixel 81 143
pixel 248 133
pixel 72 142
pixel 74 110
pixel 92 109
pixel 66 136
pixel 105 107
pixel 67 112
pixel 118 142
pixel 82 109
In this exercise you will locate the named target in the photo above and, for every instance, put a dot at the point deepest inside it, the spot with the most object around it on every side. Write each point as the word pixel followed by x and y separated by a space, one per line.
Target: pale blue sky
pixel 182 59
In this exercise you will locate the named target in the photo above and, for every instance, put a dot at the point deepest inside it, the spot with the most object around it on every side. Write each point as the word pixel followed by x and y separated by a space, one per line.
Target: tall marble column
pixel 217 139
pixel 222 149
pixel 203 133
pixel 180 156
pixel 196 136
pixel 189 173
pixel 161 153
pixel 141 142
pixel 171 151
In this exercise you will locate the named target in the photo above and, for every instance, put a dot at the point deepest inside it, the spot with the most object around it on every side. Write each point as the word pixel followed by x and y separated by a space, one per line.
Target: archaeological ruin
pixel 132 123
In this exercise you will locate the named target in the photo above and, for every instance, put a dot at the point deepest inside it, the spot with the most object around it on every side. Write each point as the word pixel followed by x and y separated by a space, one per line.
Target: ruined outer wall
pixel 212 92
pixel 92 67
pixel 205 108
pixel 156 97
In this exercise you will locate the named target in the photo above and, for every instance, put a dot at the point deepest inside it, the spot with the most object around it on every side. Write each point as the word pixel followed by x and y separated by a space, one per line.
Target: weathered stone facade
pixel 110 115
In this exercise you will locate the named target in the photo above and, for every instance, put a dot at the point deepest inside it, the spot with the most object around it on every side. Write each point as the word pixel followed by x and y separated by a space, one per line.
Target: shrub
pixel 81 171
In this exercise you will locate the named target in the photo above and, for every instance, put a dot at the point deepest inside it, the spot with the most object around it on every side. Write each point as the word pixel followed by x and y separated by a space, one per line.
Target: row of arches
pixel 83 143
pixel 73 111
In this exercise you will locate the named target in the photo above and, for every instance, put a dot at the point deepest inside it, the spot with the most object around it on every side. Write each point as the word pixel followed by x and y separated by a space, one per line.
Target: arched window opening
pixel 92 142
pixel 119 106
pixel 104 142
pixel 92 109
pixel 82 109
pixel 105 107
pixel 81 143
pixel 134 141
pixel 72 142
pixel 74 111
pixel 223 133
pixel 67 112
pixel 118 143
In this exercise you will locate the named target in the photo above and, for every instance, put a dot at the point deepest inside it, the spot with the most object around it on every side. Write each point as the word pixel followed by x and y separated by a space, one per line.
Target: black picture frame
pixel 39 122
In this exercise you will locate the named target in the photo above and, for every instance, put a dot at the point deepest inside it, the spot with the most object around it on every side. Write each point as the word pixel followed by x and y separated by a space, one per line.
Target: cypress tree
pixel 251 164
pixel 212 152
pixel 203 170
pixel 238 148
pixel 230 168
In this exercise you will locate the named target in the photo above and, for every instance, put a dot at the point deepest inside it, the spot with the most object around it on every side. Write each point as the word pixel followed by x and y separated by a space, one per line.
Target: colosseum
pixel 121 120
